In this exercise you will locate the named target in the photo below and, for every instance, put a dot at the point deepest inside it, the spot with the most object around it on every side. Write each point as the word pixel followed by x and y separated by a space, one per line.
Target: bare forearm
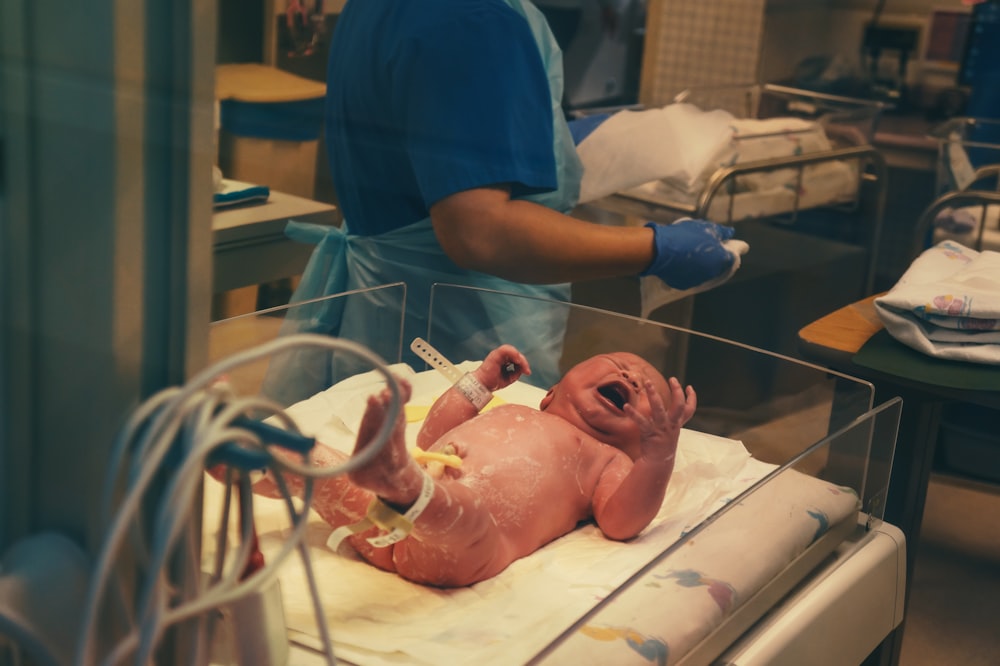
pixel 449 410
pixel 501 368
pixel 485 230
pixel 634 503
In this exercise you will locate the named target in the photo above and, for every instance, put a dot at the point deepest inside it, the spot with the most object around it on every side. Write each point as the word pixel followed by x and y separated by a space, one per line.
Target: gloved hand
pixel 690 252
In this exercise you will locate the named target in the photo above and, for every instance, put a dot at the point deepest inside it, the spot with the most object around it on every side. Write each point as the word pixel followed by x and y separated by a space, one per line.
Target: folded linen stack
pixel 947 304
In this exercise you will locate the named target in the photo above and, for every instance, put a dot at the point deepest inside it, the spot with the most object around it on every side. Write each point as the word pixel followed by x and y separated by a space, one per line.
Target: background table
pixel 250 245
pixel 834 340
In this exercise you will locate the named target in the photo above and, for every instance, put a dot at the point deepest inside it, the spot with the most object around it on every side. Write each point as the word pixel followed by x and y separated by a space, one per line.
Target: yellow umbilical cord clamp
pixel 447 459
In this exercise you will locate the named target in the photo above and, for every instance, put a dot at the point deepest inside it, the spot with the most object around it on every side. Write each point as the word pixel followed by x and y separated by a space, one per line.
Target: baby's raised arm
pixel 629 493
pixel 501 368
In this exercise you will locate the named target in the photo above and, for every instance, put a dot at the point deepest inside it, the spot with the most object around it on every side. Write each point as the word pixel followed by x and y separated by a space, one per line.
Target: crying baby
pixel 485 489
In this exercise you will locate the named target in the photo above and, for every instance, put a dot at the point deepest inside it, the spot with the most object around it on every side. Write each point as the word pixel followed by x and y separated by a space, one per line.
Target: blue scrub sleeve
pixel 477 107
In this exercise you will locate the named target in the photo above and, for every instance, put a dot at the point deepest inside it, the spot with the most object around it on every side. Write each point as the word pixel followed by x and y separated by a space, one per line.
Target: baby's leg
pixel 341 499
pixel 455 540
pixel 392 474
pixel 338 500
pixel 335 499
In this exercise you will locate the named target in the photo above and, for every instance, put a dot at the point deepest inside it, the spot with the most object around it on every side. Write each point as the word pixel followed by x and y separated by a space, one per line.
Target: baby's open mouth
pixel 615 393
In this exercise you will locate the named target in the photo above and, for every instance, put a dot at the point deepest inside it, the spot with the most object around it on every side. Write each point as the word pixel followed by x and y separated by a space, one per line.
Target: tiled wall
pixel 698 43
pixel 692 42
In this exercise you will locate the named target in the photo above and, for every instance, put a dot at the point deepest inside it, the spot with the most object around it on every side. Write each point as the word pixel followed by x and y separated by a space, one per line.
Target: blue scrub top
pixel 426 98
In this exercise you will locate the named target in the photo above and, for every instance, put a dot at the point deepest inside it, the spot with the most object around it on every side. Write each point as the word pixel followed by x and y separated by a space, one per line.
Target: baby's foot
pixel 391 474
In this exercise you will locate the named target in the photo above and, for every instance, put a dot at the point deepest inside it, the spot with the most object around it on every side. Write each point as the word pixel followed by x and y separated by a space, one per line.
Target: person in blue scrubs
pixel 453 163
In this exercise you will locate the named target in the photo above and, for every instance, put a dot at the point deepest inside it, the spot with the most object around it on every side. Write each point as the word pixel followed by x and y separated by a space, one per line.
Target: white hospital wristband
pixel 399 526
pixel 474 390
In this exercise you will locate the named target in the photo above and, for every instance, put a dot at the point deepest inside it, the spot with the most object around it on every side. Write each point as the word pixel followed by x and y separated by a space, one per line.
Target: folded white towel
pixel 630 148
pixel 947 304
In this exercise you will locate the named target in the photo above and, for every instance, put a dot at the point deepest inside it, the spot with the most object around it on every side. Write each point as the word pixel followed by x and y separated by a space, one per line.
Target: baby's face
pixel 593 394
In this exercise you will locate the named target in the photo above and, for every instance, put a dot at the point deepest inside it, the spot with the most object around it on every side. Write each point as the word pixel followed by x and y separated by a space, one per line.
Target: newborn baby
pixel 601 446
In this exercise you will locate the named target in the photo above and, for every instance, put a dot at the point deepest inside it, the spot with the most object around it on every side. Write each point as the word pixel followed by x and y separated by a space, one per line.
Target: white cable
pixel 155 618
pixel 179 496
pixel 199 415
pixel 152 608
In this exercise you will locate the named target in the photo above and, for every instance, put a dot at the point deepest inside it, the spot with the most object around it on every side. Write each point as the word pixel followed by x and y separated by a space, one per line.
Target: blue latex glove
pixel 690 252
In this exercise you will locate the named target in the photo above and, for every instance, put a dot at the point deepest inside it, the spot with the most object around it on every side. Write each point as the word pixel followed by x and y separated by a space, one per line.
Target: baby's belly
pixel 531 501
pixel 532 471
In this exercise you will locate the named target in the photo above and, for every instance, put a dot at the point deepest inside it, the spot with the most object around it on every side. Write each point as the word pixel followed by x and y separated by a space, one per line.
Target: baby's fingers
pixel 682 403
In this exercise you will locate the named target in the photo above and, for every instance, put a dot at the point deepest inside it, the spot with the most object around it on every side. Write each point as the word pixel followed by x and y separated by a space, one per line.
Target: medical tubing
pixel 155 608
pixel 121 444
pixel 215 598
pixel 157 618
pixel 318 612
pixel 215 436
pixel 143 460
pixel 161 444
pixel 321 623
pixel 218 596
pixel 151 604
pixel 119 525
pixel 191 585
pixel 179 496
pixel 151 461
pixel 143 642
pixel 180 489
pixel 222 537
pixel 300 520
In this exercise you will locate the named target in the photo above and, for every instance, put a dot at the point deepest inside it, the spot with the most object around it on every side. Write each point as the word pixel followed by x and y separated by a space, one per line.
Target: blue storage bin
pixel 283 121
pixel 269 125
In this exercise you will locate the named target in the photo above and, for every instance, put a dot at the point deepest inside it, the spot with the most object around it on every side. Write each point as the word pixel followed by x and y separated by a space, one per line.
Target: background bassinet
pixel 967 207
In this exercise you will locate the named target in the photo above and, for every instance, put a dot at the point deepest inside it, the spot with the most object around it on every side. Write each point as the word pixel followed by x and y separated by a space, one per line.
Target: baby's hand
pixel 502 367
pixel 659 433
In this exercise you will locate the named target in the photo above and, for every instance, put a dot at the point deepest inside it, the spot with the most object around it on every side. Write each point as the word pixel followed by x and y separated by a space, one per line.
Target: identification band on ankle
pixel 473 390
pixel 397 525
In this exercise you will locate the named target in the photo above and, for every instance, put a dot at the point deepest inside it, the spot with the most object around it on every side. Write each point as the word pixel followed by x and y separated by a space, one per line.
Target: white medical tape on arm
pixel 474 391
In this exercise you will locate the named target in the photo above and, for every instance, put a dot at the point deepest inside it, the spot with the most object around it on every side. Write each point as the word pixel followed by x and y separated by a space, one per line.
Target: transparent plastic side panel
pixel 638 611
pixel 290 376
pixel 778 407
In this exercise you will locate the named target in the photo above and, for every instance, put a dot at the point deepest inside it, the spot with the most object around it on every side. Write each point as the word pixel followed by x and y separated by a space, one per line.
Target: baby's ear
pixel 547 399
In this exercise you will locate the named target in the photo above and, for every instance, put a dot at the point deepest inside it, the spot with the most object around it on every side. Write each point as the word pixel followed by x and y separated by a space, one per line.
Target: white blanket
pixel 377 618
pixel 947 304
pixel 667 155
pixel 630 148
